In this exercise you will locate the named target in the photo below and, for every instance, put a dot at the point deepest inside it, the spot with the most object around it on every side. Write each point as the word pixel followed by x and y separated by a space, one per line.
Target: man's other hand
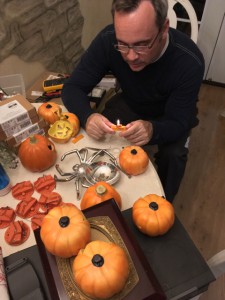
pixel 138 132
pixel 97 126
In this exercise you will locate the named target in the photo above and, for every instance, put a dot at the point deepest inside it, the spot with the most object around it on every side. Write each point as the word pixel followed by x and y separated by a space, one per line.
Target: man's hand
pixel 97 126
pixel 138 132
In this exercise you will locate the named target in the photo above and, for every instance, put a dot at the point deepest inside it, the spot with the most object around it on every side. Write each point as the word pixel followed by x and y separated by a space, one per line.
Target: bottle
pixel 5 185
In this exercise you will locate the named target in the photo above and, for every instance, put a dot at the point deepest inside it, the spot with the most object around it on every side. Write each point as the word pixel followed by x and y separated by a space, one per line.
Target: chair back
pixel 191 15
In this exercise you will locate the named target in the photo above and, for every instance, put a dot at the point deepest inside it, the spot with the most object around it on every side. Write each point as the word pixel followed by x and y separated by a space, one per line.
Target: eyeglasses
pixel 138 49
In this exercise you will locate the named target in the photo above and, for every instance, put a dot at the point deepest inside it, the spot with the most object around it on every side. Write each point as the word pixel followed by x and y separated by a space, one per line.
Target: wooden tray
pixel 146 287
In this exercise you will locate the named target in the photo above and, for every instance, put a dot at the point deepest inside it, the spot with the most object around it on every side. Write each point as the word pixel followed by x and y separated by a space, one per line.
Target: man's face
pixel 139 28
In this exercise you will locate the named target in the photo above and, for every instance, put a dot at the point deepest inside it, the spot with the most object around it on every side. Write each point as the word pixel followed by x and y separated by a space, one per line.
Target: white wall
pixel 211 40
pixel 97 14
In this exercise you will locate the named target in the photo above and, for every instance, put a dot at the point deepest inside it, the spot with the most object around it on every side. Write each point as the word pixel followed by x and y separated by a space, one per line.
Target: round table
pixel 130 189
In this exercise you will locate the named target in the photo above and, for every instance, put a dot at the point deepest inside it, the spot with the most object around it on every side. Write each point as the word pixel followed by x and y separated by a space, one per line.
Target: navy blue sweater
pixel 165 92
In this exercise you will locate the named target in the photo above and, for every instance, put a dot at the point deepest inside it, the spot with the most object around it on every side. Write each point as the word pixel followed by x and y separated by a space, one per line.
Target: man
pixel 159 70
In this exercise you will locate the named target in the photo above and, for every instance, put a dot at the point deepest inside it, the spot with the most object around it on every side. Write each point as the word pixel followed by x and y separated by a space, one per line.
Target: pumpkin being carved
pixel 153 215
pixel 133 160
pixel 65 230
pixel 37 153
pixel 101 269
pixel 99 192
pixel 50 112
pixel 74 121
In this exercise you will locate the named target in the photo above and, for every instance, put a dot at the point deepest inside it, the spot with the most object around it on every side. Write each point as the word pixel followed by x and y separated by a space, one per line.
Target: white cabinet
pixel 211 40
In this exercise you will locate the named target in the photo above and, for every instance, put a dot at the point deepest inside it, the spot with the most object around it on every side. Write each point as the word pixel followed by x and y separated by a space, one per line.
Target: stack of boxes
pixel 18 120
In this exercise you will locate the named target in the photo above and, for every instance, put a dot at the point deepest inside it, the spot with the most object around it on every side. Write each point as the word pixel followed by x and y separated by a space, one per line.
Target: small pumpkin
pixel 50 112
pixel 99 192
pixel 37 153
pixel 153 215
pixel 133 160
pixel 74 121
pixel 101 269
pixel 65 230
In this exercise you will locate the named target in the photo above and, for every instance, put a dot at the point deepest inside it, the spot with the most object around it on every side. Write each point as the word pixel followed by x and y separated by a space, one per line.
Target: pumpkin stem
pixel 48 106
pixel 133 151
pixel 64 221
pixel 97 260
pixel 33 139
pixel 153 206
pixel 100 189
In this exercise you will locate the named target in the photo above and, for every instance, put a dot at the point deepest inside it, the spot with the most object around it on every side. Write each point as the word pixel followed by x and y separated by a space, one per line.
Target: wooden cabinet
pixel 211 40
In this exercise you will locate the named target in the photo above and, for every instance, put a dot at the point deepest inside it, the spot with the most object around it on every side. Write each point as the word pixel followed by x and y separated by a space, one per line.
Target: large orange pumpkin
pixel 99 192
pixel 74 121
pixel 133 160
pixel 50 112
pixel 153 215
pixel 37 153
pixel 101 269
pixel 65 230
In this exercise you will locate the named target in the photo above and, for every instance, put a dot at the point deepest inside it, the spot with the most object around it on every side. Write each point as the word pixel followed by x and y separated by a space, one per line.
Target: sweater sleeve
pixel 88 73
pixel 180 112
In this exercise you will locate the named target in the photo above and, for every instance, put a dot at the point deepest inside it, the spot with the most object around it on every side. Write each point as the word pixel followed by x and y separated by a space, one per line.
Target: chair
pixel 191 15
pixel 217 266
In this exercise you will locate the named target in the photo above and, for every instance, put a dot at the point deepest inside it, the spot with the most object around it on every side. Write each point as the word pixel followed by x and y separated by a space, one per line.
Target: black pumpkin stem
pixel 64 221
pixel 48 106
pixel 97 260
pixel 153 206
pixel 133 151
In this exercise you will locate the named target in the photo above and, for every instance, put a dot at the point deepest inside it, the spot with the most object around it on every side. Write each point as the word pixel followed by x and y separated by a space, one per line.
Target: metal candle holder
pixel 90 170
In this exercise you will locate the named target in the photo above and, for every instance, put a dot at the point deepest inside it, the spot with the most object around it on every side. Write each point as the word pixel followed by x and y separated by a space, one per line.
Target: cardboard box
pixel 16 114
pixel 41 127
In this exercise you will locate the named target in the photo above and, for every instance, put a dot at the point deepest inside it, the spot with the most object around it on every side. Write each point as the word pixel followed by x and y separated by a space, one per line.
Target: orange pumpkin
pixel 37 153
pixel 74 121
pixel 101 269
pixel 133 160
pixel 50 112
pixel 153 215
pixel 99 192
pixel 65 230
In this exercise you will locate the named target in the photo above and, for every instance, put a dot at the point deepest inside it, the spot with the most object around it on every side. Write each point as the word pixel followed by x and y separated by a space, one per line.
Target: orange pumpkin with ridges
pixel 65 230
pixel 99 192
pixel 50 112
pixel 133 160
pixel 153 215
pixel 37 153
pixel 74 121
pixel 101 269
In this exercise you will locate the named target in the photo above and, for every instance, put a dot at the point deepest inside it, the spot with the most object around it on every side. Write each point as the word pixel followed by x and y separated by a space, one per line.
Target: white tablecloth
pixel 130 189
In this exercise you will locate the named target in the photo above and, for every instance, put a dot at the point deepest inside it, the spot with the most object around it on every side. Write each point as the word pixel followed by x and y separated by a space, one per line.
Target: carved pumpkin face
pixel 153 215
pixel 101 269
pixel 65 230
pixel 74 121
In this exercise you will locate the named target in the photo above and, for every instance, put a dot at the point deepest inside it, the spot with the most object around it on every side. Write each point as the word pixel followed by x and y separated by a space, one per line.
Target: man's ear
pixel 165 28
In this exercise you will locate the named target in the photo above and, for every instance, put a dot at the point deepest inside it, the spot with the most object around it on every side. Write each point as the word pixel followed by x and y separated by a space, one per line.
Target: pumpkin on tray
pixel 101 269
pixel 99 192
pixel 153 215
pixel 65 230
pixel 133 160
